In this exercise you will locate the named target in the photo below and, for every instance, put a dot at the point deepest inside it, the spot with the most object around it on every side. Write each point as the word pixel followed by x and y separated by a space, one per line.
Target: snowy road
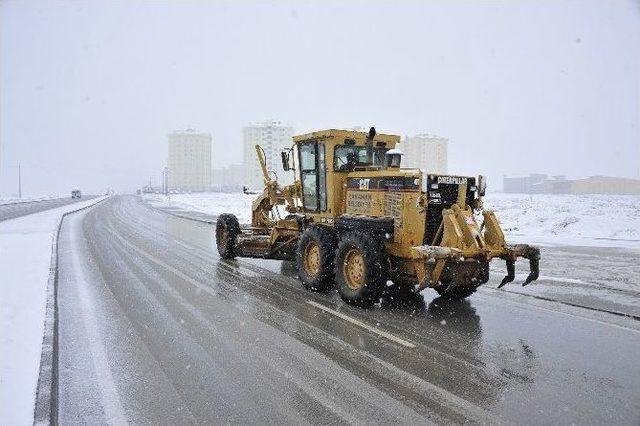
pixel 13 210
pixel 155 328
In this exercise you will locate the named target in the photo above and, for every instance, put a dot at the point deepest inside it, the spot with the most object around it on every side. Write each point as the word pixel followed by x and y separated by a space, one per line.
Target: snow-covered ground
pixel 25 255
pixel 213 203
pixel 11 200
pixel 581 220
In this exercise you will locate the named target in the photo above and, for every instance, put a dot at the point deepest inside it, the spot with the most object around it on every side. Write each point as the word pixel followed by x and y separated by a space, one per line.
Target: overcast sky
pixel 89 91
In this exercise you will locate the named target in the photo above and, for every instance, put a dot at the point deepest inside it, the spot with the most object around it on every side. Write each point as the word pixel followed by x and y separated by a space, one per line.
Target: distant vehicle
pixel 76 193
pixel 248 191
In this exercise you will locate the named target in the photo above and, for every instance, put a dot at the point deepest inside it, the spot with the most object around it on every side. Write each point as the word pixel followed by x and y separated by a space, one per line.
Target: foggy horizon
pixel 87 100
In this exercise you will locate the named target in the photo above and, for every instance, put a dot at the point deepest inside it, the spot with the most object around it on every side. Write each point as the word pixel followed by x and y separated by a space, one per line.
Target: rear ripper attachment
pixel 464 249
pixel 353 219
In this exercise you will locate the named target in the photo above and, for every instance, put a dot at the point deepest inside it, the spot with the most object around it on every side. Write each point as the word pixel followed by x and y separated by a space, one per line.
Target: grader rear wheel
pixel 456 293
pixel 354 269
pixel 447 291
pixel 314 258
pixel 462 283
pixel 361 268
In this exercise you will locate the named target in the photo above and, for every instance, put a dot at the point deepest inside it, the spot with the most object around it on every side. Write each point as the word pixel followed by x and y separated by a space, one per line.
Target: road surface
pixel 13 210
pixel 155 328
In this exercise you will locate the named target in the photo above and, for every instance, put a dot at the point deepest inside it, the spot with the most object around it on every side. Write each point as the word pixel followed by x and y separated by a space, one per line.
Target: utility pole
pixel 19 181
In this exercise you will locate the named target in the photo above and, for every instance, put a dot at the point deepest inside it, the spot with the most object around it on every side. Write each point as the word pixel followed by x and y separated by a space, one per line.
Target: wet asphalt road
pixel 155 328
pixel 13 210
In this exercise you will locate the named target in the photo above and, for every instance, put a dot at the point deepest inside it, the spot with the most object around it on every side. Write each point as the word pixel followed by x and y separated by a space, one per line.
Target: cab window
pixel 313 176
pixel 347 157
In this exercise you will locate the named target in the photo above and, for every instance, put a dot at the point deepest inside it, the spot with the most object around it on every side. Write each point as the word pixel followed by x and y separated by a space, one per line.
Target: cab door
pixel 313 176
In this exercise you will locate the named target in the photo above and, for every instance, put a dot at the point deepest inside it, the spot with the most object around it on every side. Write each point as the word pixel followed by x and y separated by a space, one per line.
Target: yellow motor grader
pixel 353 219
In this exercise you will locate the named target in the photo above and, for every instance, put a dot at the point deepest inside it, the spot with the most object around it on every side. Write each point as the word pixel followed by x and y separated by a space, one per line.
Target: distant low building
pixel 523 184
pixel 229 179
pixel 542 184
pixel 606 185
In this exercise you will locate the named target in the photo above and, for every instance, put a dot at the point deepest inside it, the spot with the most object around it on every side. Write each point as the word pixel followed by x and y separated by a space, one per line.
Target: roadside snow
pixel 25 255
pixel 580 220
pixel 213 203
pixel 16 200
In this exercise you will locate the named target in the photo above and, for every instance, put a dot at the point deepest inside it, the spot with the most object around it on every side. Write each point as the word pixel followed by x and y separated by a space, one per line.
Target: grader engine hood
pixel 382 196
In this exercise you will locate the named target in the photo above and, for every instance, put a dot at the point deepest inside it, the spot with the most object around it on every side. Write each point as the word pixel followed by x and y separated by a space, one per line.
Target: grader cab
pixel 353 219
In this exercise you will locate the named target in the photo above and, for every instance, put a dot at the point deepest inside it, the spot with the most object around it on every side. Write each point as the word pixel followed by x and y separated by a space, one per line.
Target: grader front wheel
pixel 361 268
pixel 227 229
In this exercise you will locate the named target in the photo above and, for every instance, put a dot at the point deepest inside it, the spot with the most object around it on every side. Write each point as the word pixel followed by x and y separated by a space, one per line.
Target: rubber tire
pixel 326 239
pixel 400 290
pixel 375 268
pixel 457 293
pixel 227 221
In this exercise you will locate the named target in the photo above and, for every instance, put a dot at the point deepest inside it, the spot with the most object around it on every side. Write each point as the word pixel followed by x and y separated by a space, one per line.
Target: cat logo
pixel 364 184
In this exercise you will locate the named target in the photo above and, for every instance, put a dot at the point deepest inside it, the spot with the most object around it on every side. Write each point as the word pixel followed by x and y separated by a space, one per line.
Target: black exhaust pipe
pixel 369 145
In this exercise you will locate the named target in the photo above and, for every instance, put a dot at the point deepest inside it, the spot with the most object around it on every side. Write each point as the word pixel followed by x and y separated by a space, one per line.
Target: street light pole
pixel 19 181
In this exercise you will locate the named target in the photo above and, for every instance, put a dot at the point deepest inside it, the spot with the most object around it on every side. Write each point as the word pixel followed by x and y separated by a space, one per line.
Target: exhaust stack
pixel 369 145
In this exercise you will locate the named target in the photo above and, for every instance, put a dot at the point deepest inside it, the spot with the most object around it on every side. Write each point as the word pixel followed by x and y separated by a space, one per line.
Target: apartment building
pixel 189 161
pixel 426 152
pixel 273 137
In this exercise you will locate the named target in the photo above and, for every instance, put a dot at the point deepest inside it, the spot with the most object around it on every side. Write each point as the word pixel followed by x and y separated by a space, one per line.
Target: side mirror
pixel 285 160
pixel 482 186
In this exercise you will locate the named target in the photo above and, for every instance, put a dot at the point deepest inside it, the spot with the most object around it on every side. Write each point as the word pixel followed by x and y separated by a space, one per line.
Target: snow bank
pixel 25 255
pixel 15 200
pixel 213 203
pixel 581 220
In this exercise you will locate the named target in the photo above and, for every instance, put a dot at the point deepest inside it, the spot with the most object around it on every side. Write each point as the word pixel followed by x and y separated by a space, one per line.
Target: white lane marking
pixel 363 325
pixel 183 245
pixel 113 410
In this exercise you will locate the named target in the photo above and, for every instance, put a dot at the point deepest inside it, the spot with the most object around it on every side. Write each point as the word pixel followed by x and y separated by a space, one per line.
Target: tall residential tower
pixel 189 161
pixel 273 137
pixel 426 152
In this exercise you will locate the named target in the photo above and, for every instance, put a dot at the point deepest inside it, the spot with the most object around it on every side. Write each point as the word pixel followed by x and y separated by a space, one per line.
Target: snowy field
pixel 213 203
pixel 579 220
pixel 25 255
pixel 12 200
